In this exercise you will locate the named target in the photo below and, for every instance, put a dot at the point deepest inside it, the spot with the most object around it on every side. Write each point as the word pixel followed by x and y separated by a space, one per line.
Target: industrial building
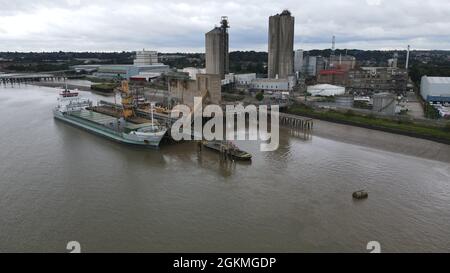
pixel 371 80
pixel 145 63
pixel 435 89
pixel 281 45
pixel 325 90
pixel 298 60
pixel 193 71
pixel 128 71
pixel 239 79
pixel 273 85
pixel 116 71
pixel 309 68
pixel 217 55
pixel 333 76
pixel 342 62
pixel 145 77
pixel 244 79
pixel 146 58
pixel 183 90
pixel 312 65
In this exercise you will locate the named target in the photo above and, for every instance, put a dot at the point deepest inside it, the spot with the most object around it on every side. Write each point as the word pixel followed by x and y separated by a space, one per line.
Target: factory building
pixel 244 79
pixel 281 45
pixel 239 80
pixel 309 68
pixel 128 71
pixel 370 80
pixel 273 85
pixel 333 76
pixel 145 57
pixel 116 71
pixel 145 62
pixel 145 77
pixel 435 89
pixel 336 71
pixel 217 55
pixel 343 63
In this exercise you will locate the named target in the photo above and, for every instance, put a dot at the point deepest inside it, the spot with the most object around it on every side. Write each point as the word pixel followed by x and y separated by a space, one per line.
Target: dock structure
pixel 296 122
pixel 18 78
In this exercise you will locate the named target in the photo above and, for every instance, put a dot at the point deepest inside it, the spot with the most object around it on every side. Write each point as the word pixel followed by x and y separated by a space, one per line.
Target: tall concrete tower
pixel 217 56
pixel 281 45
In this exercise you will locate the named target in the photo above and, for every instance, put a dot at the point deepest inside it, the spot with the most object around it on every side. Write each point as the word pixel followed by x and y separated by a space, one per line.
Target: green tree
pixel 260 96
pixel 431 112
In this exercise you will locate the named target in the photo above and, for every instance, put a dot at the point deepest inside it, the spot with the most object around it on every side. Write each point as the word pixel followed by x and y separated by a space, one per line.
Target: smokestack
pixel 407 58
pixel 333 45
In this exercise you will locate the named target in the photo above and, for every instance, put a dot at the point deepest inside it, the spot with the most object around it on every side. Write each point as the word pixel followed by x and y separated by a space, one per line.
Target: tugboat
pixel 227 148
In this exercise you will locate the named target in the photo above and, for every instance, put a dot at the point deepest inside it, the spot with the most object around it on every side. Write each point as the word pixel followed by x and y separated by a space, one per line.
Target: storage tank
pixel 344 101
pixel 326 90
pixel 384 103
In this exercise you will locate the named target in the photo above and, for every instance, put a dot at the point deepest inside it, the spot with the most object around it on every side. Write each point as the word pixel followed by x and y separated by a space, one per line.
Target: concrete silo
pixel 217 55
pixel 281 45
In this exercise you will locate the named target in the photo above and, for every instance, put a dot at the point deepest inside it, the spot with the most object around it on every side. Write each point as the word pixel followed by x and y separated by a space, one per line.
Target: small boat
pixel 228 148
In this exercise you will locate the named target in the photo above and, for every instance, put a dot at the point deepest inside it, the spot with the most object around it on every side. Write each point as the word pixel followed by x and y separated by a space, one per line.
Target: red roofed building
pixel 333 76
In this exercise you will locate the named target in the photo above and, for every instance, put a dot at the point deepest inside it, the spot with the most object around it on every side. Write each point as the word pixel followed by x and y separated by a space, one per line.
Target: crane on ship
pixel 127 100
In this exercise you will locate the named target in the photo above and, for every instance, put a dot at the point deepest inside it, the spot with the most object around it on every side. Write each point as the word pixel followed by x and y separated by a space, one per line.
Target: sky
pixel 179 26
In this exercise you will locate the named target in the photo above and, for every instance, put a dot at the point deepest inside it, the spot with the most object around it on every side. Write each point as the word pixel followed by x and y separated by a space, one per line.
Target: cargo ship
pixel 122 126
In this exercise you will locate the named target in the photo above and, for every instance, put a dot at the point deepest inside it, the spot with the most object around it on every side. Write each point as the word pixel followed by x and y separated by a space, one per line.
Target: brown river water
pixel 59 184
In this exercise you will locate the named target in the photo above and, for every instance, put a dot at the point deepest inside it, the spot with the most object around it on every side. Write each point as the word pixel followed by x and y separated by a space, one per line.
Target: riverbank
pixel 380 140
pixel 406 128
pixel 62 85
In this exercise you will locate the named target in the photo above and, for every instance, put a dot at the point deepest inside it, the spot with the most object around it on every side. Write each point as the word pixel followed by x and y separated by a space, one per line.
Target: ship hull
pixel 100 130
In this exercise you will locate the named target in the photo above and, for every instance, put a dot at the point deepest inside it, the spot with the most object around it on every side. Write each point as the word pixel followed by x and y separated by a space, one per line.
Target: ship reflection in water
pixel 59 184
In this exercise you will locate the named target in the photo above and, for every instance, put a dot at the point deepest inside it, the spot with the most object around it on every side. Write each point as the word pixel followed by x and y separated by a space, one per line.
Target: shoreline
pixel 61 85
pixel 70 86
pixel 382 140
pixel 410 130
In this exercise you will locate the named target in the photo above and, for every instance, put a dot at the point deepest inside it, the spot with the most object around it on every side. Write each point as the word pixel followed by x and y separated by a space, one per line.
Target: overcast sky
pixel 179 26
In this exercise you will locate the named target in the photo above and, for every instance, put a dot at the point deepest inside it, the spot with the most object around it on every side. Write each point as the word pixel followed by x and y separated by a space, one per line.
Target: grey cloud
pixel 180 25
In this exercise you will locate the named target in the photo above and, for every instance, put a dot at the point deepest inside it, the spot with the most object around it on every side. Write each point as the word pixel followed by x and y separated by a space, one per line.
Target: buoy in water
pixel 360 194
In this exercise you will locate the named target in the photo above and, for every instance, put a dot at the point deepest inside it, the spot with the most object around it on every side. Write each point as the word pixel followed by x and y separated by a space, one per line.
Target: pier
pixel 296 122
pixel 18 78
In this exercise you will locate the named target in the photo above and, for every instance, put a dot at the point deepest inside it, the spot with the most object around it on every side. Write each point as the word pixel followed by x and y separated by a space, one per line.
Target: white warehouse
pixel 326 90
pixel 435 89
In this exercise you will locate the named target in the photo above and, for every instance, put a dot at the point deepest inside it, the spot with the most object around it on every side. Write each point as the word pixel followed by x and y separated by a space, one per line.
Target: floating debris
pixel 360 194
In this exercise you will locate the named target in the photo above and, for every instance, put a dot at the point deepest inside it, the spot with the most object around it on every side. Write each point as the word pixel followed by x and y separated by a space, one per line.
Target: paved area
pixel 415 109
